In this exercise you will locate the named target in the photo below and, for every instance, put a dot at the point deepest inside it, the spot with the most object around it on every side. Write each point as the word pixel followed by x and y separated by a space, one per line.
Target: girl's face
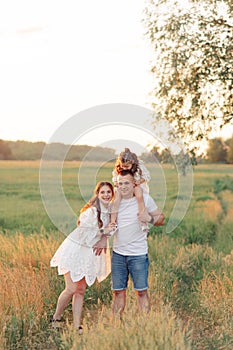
pixel 126 166
pixel 105 195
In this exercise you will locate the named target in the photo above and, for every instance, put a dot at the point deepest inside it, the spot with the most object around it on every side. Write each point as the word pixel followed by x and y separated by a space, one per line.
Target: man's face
pixel 126 185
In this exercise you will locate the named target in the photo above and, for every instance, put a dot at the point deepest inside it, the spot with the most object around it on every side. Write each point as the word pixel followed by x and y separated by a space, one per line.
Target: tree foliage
pixel 5 151
pixel 216 152
pixel 229 145
pixel 192 65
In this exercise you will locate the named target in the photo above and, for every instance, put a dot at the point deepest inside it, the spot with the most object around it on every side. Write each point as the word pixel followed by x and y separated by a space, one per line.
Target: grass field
pixel 191 268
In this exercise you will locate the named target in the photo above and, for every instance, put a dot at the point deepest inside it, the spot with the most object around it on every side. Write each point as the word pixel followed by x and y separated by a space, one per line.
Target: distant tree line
pixel 218 151
pixel 25 150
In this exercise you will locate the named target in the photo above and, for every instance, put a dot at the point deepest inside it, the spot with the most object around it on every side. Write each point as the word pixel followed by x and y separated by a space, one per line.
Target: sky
pixel 60 57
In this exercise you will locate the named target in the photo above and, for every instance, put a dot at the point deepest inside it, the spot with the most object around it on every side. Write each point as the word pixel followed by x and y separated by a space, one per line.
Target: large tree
pixel 192 65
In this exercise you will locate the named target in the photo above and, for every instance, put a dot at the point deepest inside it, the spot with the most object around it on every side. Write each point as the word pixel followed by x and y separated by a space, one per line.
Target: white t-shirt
pixel 129 239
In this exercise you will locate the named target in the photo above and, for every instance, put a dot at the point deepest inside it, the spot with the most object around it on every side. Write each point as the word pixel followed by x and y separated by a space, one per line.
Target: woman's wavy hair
pixel 95 202
pixel 127 156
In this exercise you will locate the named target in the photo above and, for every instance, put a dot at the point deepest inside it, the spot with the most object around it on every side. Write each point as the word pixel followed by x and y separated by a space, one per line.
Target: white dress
pixel 75 254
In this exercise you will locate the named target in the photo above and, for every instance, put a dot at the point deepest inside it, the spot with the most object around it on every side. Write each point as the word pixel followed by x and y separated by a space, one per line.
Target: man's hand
pixel 157 215
pixel 144 216
pixel 159 218
pixel 100 246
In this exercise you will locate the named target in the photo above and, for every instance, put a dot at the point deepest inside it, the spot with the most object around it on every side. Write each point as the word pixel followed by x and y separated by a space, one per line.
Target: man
pixel 130 249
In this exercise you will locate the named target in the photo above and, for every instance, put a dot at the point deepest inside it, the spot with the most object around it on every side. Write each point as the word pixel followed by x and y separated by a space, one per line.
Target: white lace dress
pixel 75 254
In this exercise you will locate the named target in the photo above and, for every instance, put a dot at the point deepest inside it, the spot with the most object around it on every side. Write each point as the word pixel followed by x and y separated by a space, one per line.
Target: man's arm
pixel 155 218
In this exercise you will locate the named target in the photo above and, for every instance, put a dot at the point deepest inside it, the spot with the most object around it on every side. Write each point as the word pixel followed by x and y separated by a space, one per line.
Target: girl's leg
pixel 65 296
pixel 139 196
pixel 77 302
pixel 141 205
pixel 115 206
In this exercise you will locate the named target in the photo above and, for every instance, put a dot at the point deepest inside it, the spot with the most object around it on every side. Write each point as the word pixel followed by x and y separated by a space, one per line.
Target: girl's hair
pixel 95 202
pixel 127 156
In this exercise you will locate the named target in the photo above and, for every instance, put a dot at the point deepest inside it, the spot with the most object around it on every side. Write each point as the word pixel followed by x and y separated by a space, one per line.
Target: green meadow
pixel 191 268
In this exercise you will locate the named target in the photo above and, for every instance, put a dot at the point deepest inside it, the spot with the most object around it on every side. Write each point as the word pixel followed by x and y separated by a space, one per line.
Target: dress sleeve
pixel 88 227
pixel 145 172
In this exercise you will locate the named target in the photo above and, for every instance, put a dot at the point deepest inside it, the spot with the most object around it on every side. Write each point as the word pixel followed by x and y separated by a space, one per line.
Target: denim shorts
pixel 136 266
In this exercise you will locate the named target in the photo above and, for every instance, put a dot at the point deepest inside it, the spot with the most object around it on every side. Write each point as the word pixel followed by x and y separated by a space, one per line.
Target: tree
pixel 5 151
pixel 229 156
pixel 192 65
pixel 166 156
pixel 152 156
pixel 216 152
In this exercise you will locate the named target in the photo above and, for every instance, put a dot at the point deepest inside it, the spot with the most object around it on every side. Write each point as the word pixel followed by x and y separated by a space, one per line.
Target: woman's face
pixel 105 195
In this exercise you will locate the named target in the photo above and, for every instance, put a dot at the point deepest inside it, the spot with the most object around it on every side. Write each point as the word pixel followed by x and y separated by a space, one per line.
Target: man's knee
pixel 119 301
pixel 119 293
pixel 142 293
pixel 119 297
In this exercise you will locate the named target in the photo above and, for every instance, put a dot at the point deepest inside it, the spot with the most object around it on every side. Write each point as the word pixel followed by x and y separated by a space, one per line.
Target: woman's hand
pixel 100 246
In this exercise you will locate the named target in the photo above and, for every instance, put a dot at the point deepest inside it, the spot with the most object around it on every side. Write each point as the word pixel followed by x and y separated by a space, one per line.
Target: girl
pixel 129 161
pixel 80 258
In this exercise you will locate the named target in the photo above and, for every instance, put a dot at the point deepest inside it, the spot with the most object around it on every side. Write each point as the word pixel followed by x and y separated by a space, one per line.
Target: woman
pixel 83 257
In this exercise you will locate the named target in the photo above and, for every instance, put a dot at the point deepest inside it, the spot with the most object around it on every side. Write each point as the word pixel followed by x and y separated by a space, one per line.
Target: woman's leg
pixel 77 302
pixel 65 296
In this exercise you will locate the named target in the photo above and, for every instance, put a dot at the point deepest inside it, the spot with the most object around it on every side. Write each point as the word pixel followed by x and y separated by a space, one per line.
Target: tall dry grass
pixel 159 329
pixel 190 278
pixel 190 291
pixel 29 292
pixel 26 286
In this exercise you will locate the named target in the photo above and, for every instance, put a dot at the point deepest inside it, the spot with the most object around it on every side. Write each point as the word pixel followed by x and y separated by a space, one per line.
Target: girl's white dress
pixel 145 175
pixel 75 254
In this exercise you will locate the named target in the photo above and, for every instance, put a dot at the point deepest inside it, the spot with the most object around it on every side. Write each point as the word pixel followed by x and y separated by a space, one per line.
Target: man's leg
pixel 119 301
pixel 138 268
pixel 143 301
pixel 119 282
